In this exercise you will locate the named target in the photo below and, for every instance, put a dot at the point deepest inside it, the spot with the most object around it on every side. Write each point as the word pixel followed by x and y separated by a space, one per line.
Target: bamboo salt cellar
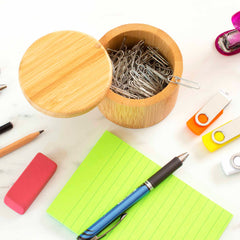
pixel 67 73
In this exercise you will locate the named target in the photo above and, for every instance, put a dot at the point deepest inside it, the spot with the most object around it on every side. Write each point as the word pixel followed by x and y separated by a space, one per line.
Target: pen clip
pixel 122 216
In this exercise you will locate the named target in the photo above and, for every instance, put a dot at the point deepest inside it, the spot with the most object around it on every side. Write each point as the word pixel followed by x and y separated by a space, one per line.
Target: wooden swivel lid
pixel 65 73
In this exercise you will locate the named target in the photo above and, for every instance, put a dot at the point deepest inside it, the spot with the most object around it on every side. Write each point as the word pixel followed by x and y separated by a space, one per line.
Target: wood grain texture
pixel 65 73
pixel 142 113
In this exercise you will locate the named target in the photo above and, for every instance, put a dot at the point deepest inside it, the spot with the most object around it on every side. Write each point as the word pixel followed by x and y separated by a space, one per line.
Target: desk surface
pixel 194 26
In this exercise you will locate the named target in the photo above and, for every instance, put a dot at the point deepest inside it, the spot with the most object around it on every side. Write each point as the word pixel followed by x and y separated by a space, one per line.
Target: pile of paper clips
pixel 139 72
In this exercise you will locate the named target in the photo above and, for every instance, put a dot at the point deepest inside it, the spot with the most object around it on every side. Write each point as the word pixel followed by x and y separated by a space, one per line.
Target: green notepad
pixel 111 171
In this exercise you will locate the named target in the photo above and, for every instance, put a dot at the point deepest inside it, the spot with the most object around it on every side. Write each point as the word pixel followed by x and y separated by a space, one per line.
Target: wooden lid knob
pixel 65 73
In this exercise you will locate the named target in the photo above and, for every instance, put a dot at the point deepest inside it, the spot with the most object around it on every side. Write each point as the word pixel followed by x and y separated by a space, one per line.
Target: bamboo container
pixel 67 73
pixel 146 112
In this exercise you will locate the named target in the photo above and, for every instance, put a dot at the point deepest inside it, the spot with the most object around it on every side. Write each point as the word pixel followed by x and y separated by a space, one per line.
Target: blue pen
pixel 119 210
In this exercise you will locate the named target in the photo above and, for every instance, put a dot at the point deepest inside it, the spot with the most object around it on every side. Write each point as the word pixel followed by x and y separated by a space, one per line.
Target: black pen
pixel 6 127
pixel 119 210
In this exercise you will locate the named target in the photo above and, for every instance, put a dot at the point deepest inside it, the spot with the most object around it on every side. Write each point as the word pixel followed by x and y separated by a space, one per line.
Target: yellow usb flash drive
pixel 222 135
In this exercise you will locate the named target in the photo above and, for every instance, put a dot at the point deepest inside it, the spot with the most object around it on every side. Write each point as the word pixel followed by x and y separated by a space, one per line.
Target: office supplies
pixel 209 113
pixel 222 135
pixel 19 143
pixel 3 86
pixel 6 127
pixel 228 43
pixel 30 183
pixel 183 82
pixel 82 79
pixel 140 71
pixel 232 165
pixel 110 172
pixel 134 197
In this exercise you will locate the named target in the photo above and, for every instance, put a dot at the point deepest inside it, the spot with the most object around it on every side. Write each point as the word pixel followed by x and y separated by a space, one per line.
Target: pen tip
pixel 41 131
pixel 183 156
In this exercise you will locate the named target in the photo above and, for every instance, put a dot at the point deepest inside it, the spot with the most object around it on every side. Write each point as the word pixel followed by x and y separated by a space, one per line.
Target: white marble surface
pixel 194 25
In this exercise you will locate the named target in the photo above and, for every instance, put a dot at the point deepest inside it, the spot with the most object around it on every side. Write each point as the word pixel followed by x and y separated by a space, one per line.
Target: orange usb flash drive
pixel 209 113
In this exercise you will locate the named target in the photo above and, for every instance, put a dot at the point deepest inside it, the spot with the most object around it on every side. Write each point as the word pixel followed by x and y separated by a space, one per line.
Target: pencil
pixel 19 143
pixel 2 86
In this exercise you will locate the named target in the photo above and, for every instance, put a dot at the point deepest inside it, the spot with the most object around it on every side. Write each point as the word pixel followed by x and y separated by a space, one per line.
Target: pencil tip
pixel 3 86
pixel 41 131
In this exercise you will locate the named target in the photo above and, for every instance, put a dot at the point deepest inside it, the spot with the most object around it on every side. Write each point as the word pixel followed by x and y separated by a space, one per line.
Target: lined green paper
pixel 111 171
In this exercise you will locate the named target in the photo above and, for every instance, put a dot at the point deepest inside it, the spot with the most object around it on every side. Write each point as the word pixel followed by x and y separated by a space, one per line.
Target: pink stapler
pixel 228 43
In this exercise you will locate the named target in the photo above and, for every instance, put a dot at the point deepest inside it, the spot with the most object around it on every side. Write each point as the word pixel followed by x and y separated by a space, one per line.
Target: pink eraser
pixel 30 183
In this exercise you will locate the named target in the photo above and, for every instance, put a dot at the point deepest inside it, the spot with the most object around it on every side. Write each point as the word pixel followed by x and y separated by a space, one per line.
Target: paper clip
pixel 188 83
pixel 232 165
pixel 209 113
pixel 222 135
pixel 228 43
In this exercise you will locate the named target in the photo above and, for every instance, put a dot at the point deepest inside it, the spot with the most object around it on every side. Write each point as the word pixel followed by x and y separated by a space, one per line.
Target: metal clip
pixel 215 105
pixel 122 216
pixel 103 235
pixel 232 165
pixel 189 83
pixel 227 132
